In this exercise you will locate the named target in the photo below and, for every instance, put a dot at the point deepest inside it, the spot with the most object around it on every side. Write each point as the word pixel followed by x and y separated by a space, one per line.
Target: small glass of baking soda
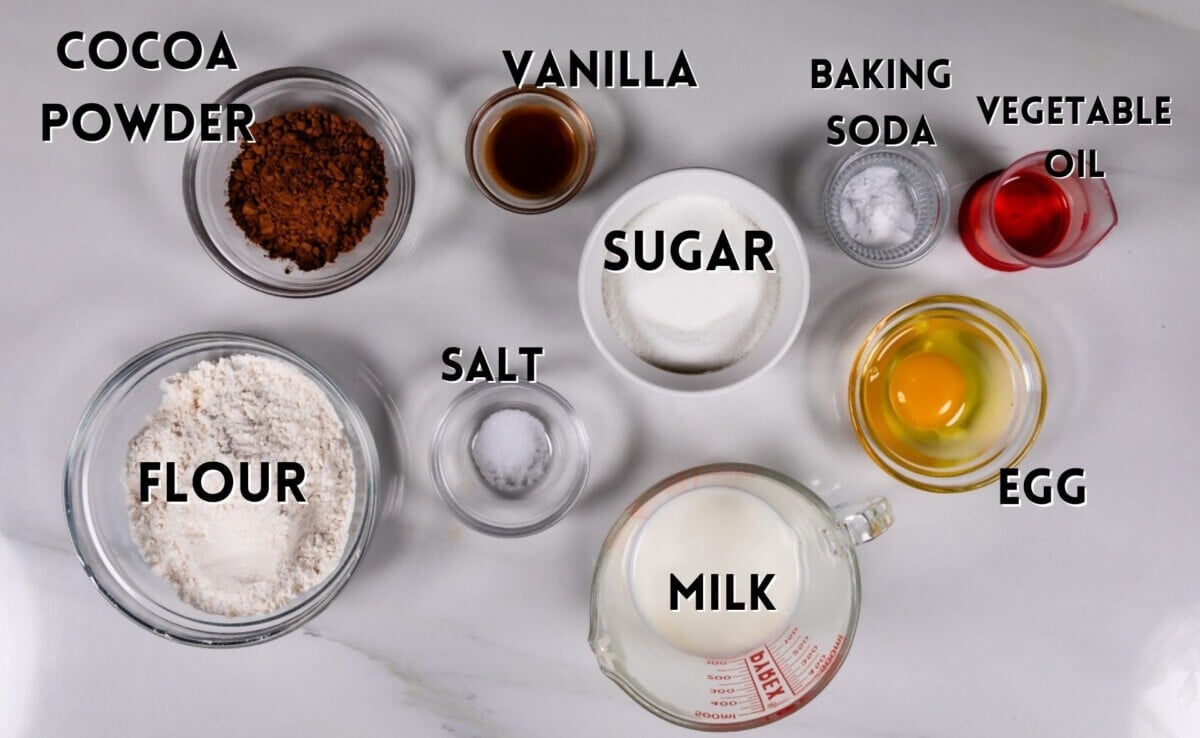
pixel 886 207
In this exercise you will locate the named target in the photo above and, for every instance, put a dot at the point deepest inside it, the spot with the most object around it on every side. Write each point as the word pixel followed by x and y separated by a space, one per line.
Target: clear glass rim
pixel 513 203
pixel 1022 349
pixel 607 551
pixel 572 492
pixel 394 142
pixel 127 599
pixel 923 163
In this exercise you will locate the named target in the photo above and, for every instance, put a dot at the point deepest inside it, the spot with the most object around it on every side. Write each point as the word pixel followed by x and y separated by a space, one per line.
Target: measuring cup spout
pixel 866 520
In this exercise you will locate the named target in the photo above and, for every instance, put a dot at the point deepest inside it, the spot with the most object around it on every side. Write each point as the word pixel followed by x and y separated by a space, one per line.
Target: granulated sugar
pixel 235 557
pixel 691 321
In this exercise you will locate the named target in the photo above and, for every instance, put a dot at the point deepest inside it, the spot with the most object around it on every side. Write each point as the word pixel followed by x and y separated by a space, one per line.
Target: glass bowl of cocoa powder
pixel 318 199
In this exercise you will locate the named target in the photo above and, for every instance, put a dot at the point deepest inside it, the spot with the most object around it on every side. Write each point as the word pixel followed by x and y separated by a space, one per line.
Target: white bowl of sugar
pixel 697 312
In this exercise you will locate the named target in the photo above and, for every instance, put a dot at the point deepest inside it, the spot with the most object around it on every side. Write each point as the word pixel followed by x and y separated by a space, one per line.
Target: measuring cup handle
pixel 866 520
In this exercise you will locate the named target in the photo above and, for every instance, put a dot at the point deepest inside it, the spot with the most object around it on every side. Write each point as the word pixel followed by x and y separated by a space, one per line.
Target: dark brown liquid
pixel 532 152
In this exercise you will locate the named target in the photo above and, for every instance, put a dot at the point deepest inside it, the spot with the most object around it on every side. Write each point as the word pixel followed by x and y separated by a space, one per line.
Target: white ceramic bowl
pixel 788 256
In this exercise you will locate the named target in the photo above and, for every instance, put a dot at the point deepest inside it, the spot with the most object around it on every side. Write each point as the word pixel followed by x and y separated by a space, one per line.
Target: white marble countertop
pixel 976 621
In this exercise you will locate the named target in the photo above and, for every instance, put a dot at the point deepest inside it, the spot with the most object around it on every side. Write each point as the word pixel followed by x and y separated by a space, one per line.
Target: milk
pixel 723 535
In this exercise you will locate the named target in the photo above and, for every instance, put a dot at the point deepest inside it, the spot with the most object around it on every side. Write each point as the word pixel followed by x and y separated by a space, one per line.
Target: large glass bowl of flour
pixel 98 498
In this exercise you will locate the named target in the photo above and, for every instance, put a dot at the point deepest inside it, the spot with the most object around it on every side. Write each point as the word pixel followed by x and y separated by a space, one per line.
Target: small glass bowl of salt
pixel 510 459
pixel 886 207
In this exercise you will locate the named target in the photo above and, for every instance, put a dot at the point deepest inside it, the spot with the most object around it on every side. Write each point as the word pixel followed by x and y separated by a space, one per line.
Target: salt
pixel 691 321
pixel 876 208
pixel 511 450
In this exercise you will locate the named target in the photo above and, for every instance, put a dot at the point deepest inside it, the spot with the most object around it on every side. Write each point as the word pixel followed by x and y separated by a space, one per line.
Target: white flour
pixel 238 558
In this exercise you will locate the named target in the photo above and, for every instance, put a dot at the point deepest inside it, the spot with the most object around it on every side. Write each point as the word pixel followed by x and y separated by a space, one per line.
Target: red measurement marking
pixel 782 672
pixel 768 677
pixel 786 637
pixel 822 664
pixel 757 696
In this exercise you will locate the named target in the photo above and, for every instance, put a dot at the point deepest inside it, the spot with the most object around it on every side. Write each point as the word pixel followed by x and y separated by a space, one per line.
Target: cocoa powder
pixel 308 187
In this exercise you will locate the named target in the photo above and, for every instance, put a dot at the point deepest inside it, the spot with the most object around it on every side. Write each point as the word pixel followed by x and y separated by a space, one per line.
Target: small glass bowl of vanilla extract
pixel 530 150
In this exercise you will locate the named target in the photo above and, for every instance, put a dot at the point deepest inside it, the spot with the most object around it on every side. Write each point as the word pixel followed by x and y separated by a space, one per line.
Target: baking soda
pixel 877 209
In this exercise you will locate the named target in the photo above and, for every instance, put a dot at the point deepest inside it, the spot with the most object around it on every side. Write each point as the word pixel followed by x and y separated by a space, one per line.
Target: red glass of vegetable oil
pixel 1023 217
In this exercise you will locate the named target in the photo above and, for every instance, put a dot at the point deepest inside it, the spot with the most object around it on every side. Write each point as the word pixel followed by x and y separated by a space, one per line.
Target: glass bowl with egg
pixel 945 391
pixel 99 506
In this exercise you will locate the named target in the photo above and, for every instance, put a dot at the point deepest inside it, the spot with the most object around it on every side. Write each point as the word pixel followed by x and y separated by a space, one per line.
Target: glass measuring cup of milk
pixel 726 596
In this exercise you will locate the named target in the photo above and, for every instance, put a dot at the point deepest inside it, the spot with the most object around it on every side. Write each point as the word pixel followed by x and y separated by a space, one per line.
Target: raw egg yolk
pixel 927 390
